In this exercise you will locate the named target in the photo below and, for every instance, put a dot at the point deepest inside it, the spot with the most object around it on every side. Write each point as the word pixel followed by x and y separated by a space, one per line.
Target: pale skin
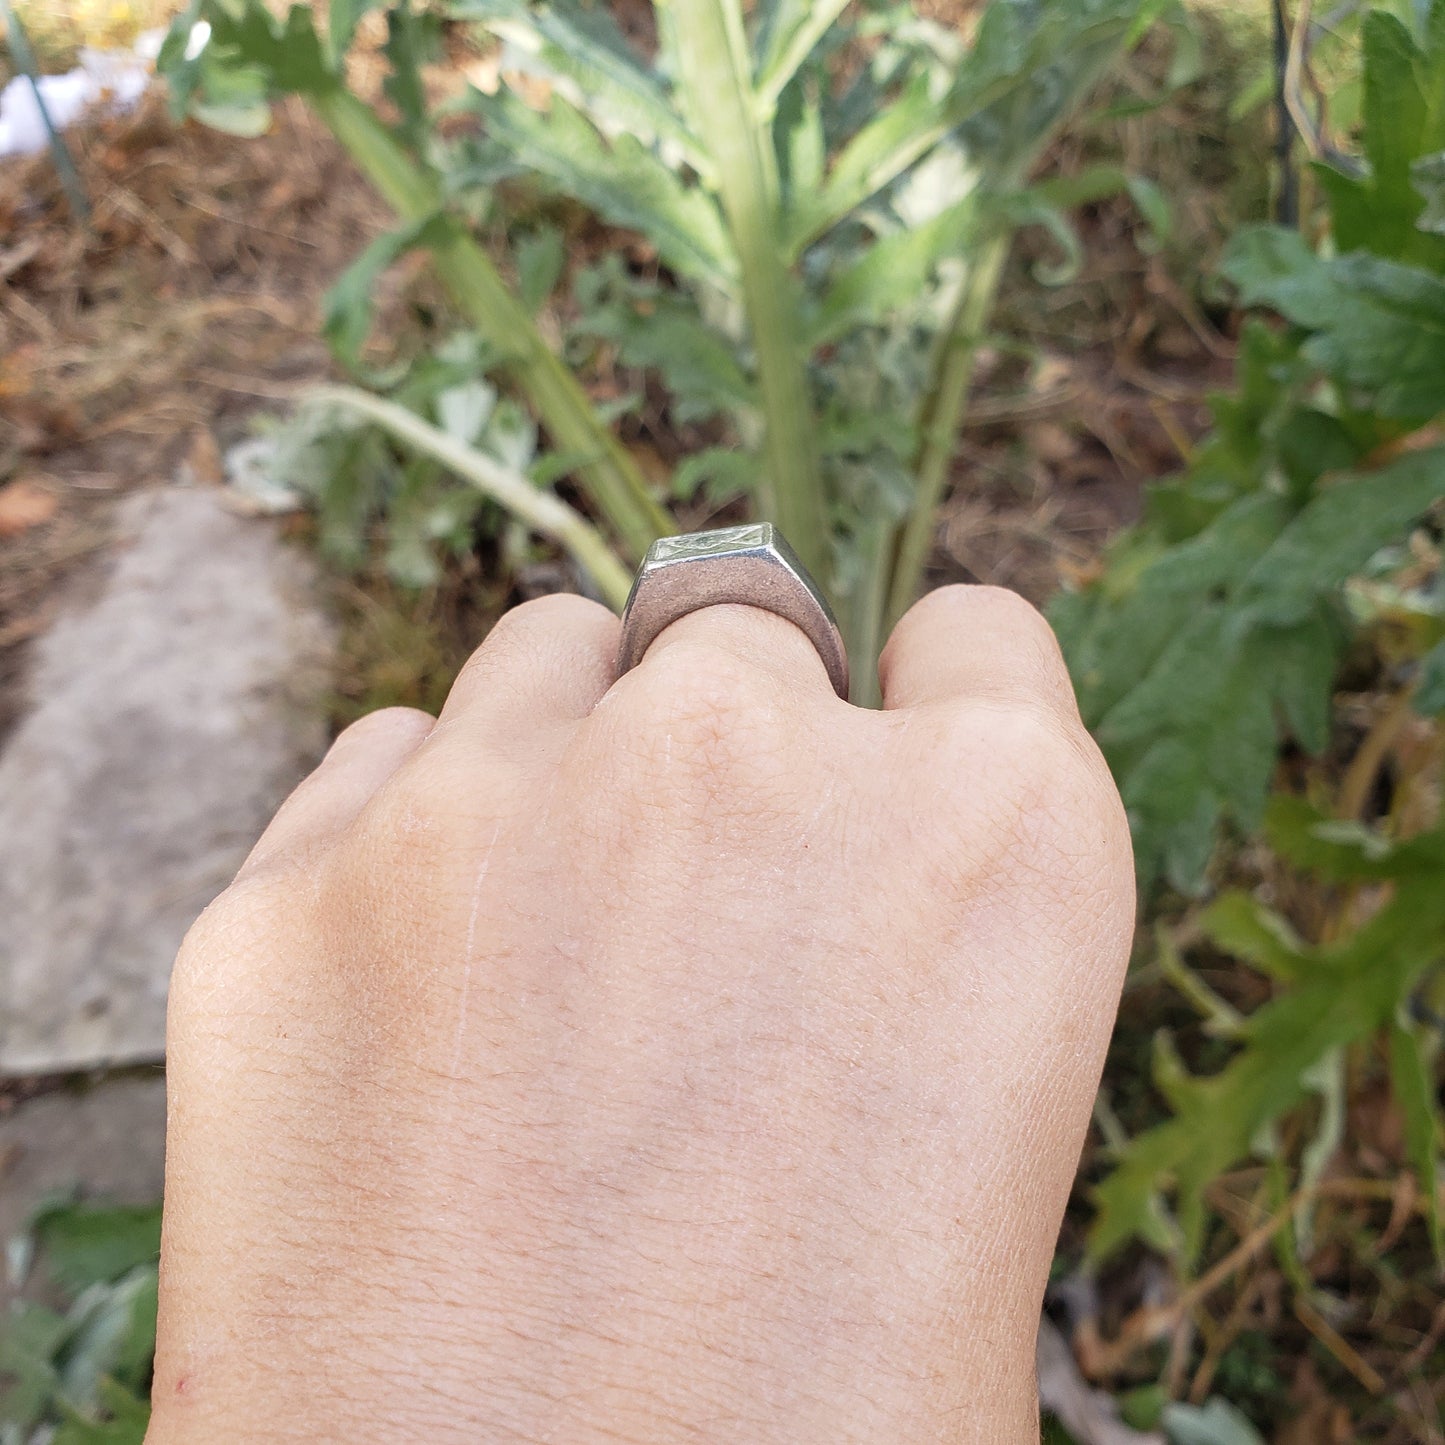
pixel 685 1057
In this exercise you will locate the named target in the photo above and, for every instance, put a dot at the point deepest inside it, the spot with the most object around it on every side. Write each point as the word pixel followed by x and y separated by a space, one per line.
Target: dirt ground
pixel 142 343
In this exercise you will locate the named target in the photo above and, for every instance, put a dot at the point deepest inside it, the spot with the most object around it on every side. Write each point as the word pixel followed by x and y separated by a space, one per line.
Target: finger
pixel 361 759
pixel 546 662
pixel 776 648
pixel 966 642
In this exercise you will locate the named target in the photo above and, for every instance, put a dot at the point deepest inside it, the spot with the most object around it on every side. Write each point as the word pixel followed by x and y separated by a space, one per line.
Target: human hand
pixel 685 1057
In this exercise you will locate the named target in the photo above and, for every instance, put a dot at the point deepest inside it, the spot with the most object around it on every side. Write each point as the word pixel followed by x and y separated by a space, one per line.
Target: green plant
pixel 1214 639
pixel 829 191
pixel 80 1377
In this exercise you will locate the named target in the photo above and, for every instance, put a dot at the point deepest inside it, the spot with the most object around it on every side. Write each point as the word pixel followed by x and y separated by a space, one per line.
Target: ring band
pixel 751 565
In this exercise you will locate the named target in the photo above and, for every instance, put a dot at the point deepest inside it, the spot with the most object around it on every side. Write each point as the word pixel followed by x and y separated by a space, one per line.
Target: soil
pixel 140 344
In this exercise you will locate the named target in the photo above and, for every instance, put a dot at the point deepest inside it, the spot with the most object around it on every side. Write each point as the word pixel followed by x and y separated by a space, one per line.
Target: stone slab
pixel 170 713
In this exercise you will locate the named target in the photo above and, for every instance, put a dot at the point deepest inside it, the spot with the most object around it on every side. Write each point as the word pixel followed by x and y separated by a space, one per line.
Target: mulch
pixel 142 342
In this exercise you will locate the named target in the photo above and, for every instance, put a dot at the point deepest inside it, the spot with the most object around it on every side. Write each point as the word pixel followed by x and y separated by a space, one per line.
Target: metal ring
pixel 752 565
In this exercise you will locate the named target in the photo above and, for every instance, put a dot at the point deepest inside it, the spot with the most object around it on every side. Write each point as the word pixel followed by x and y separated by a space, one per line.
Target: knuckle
pixel 228 942
pixel 514 636
pixel 429 811
pixel 1036 761
pixel 699 719
pixel 385 722
pixel 694 686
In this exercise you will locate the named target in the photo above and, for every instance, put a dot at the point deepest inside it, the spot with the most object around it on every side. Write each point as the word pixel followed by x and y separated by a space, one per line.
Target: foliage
pixel 1220 623
pixel 81 1377
pixel 830 247
pixel 1215 637
pixel 1335 995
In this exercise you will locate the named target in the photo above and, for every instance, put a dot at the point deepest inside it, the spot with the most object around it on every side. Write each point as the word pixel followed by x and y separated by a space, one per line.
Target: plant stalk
pixel 713 58
pixel 612 480
pixel 64 162
pixel 544 513
pixel 862 615
pixel 942 419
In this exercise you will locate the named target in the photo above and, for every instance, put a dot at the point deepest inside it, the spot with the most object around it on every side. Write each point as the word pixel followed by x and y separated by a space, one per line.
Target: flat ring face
pixel 750 565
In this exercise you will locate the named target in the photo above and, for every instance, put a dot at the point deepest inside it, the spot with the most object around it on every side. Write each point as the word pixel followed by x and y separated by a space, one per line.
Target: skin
pixel 684 1057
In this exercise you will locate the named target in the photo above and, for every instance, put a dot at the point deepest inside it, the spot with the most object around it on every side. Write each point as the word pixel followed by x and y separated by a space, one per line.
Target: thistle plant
pixel 830 191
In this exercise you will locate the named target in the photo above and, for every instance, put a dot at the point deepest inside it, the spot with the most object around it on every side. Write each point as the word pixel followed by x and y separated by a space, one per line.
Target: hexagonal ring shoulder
pixel 751 565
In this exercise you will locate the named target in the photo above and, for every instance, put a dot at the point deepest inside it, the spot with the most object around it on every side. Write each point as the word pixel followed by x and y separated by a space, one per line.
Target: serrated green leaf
pixel 87 1244
pixel 619 179
pixel 1302 660
pixel 290 53
pixel 1218 641
pixel 1412 1077
pixel 31 1337
pixel 1241 925
pixel 1345 992
pixel 1379 209
pixel 1337 533
pixel 588 59
pixel 1025 71
pixel 721 474
pixel 892 272
pixel 1377 326
pixel 411 41
pixel 115 1337
pixel 343 16
pixel 540 256
pixel 661 330
pixel 347 306
pixel 127 1420
pixel 1173 810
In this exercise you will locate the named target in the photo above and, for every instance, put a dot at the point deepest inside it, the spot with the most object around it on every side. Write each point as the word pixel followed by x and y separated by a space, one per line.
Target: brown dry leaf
pixel 24 505
pixel 17 370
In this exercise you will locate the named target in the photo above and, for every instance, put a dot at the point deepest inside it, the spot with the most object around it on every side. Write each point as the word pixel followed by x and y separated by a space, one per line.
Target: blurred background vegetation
pixel 1135 307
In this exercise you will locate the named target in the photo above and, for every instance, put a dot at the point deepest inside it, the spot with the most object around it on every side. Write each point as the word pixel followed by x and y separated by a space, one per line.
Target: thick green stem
pixel 942 419
pixel 862 614
pixel 609 475
pixel 541 511
pixel 713 57
pixel 60 155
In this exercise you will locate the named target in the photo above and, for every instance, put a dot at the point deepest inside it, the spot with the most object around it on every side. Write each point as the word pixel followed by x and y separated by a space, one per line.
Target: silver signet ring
pixel 750 565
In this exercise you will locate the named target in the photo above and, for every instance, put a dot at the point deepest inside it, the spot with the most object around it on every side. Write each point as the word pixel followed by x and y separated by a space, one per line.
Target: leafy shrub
pixel 829 192
pixel 1216 634
pixel 81 1377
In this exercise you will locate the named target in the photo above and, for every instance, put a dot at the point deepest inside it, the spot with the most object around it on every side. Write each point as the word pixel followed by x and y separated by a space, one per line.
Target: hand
pixel 685 1057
